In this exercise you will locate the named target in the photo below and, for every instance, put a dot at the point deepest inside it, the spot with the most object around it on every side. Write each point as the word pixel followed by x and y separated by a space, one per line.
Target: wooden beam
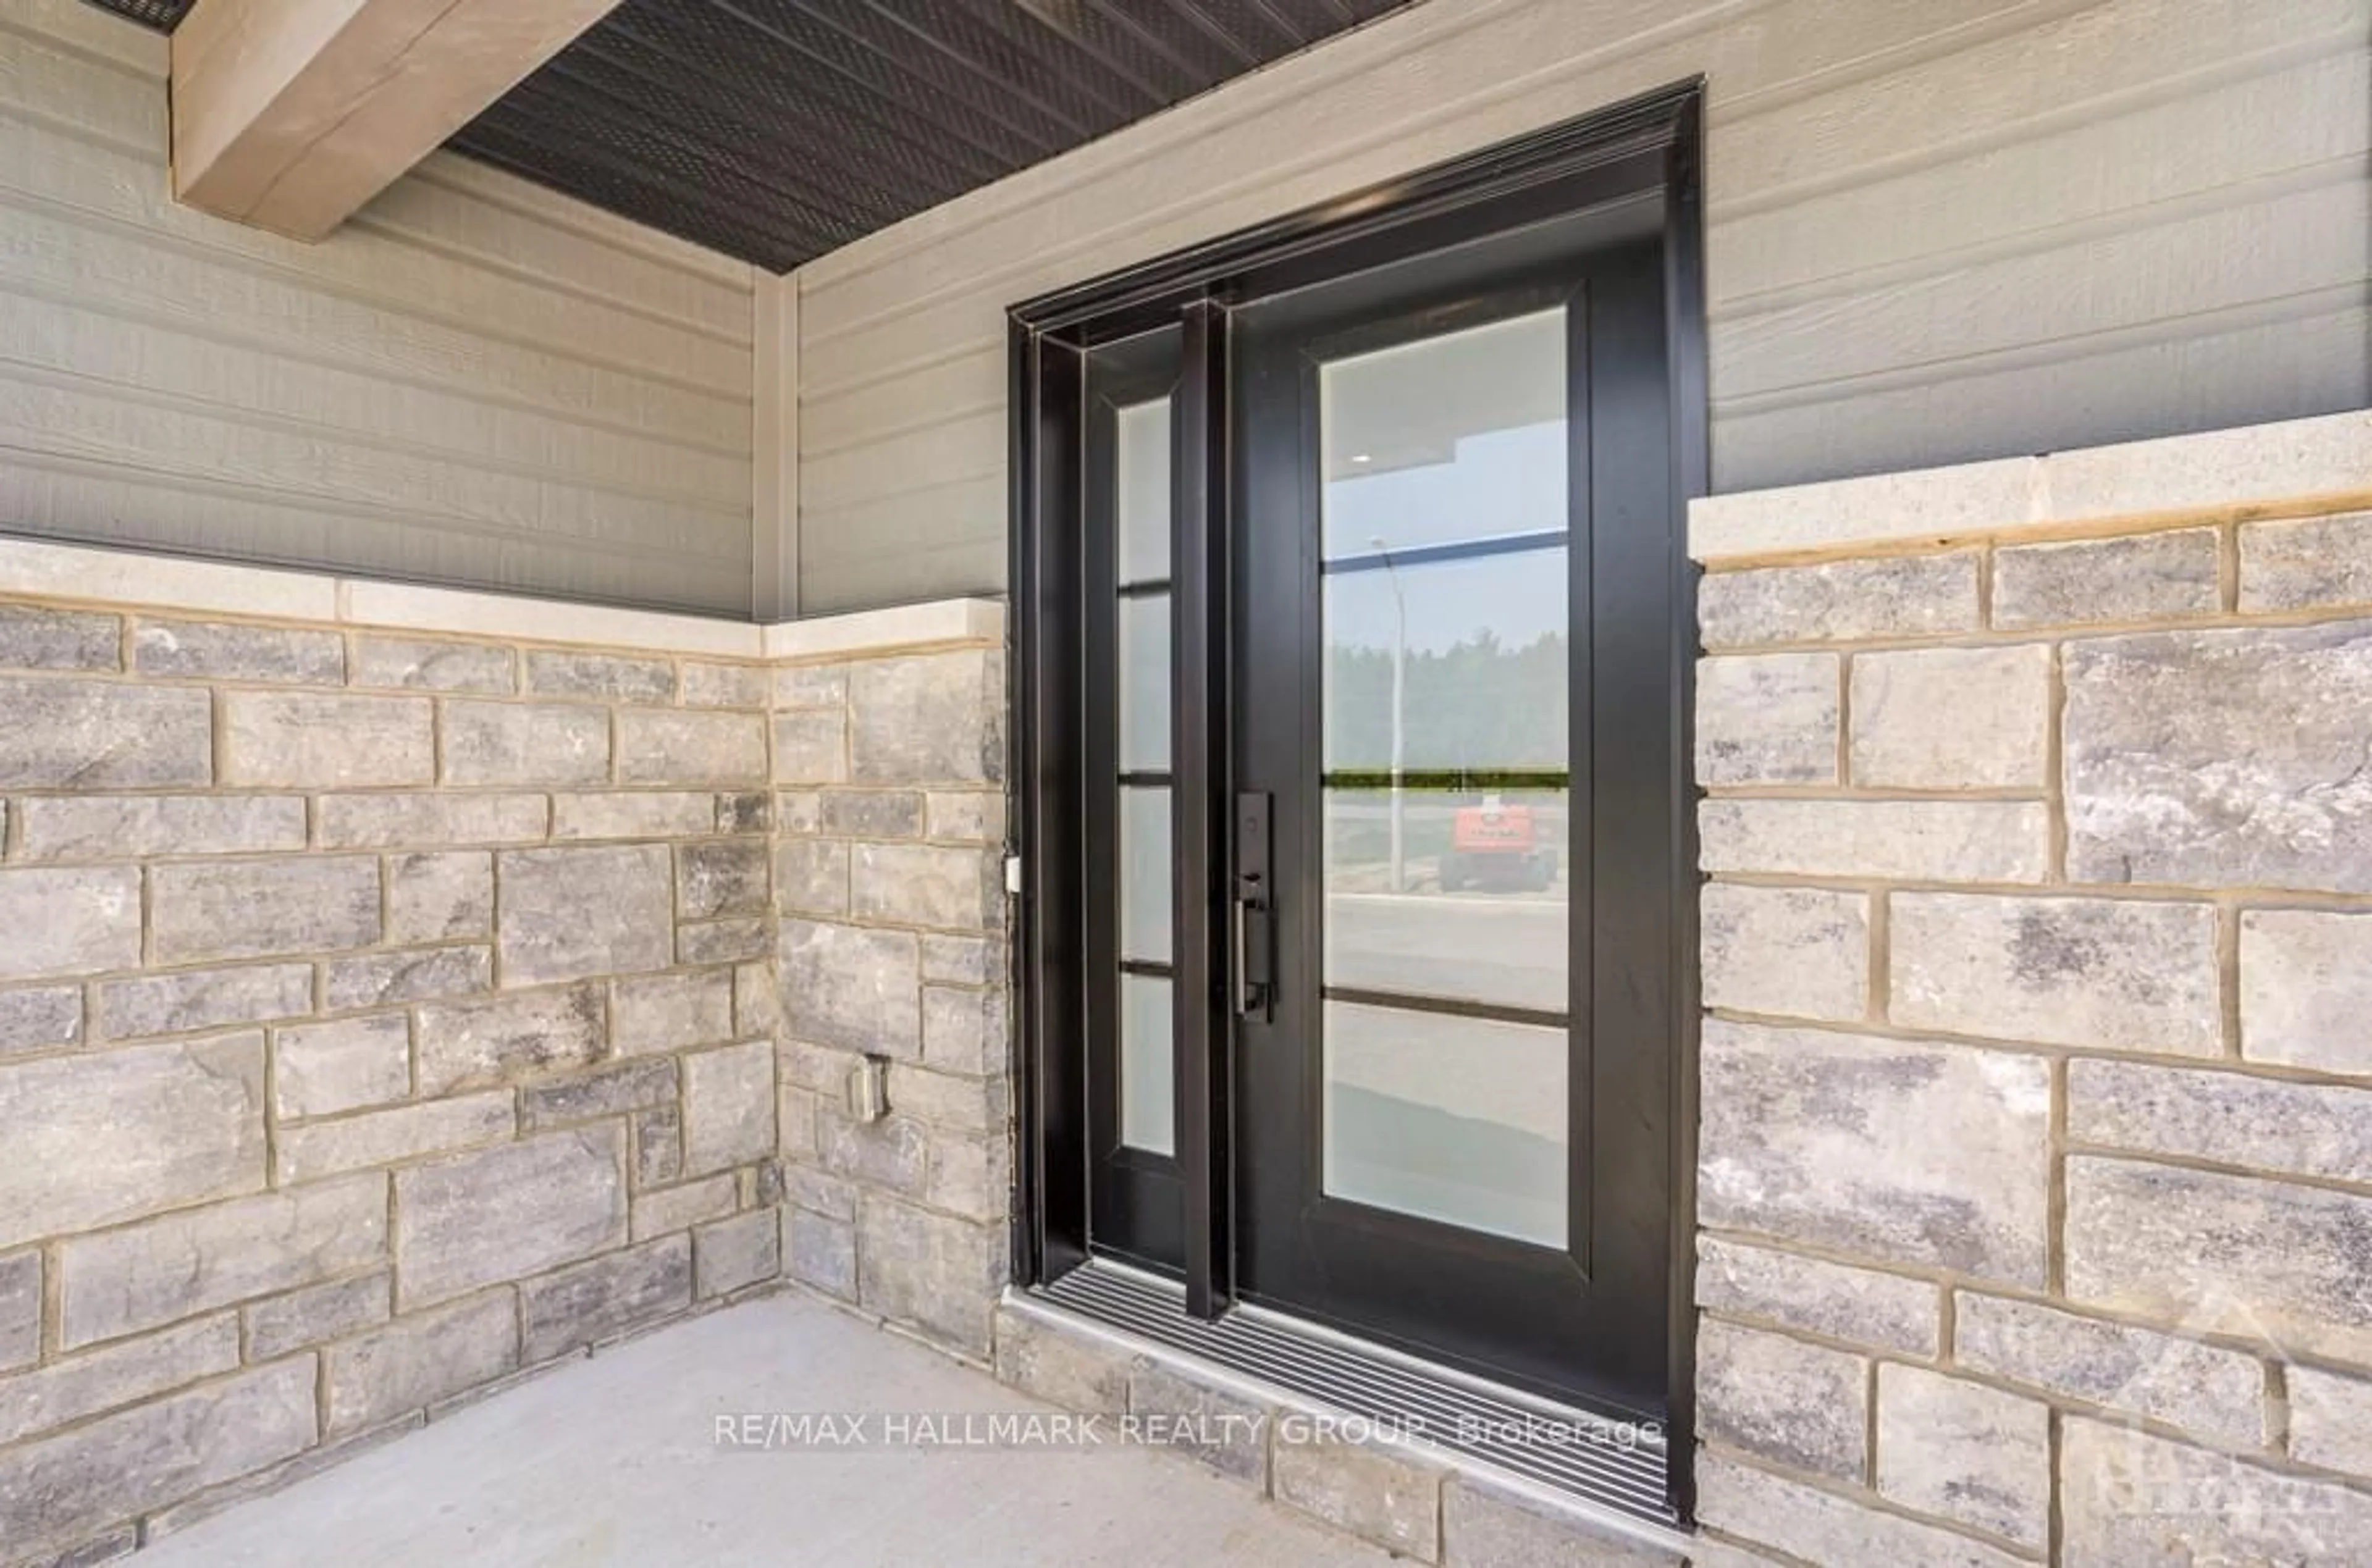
pixel 290 114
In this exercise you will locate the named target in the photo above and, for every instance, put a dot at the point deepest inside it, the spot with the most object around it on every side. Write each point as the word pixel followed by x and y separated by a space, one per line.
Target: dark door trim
pixel 1648 146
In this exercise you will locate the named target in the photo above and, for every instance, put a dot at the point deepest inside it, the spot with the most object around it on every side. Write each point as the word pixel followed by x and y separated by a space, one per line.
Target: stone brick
pixel 2305 988
pixel 121 827
pixel 799 811
pixel 2153 577
pixel 1825 1528
pixel 610 1091
pixel 35 637
pixel 2215 1392
pixel 738 1253
pixel 375 979
pixel 322 1069
pixel 440 896
pixel 2214 1253
pixel 383 1137
pixel 964 1031
pixel 304 740
pixel 724 941
pixel 671 1209
pixel 950 1099
pixel 104 734
pixel 971 1176
pixel 2329 1419
pixel 1965 1452
pixel 1801 951
pixel 1907 596
pixel 2072 972
pixel 2307 563
pixel 811 686
pixel 971 815
pixel 1384 1495
pixel 811 876
pixel 1803 1405
pixel 508 1213
pixel 926 885
pixel 1820 1297
pixel 219 650
pixel 1073 1368
pixel 572 912
pixel 723 685
pixel 186 1000
pixel 302 1318
pixel 873 814
pixel 100 1139
pixel 78 1385
pixel 1897 1150
pixel 160 1271
pixel 928 718
pixel 390 821
pixel 636 813
pixel 2221 758
pixel 961 960
pixel 658 1145
pixel 20 1309
pixel 1952 718
pixel 667 1012
pixel 936 1274
pixel 820 1252
pixel 757 1000
pixel 525 743
pixel 588 1303
pixel 1920 841
pixel 892 1153
pixel 1199 1418
pixel 425 664
pixel 1496 1525
pixel 69 922
pixel 675 746
pixel 745 811
pixel 37 1020
pixel 849 987
pixel 724 877
pixel 811 747
pixel 1770 718
pixel 612 677
pixel 61 1490
pixel 250 908
pixel 503 1039
pixel 729 1107
pixel 416 1361
pixel 811 1189
pixel 2231 1118
pixel 2132 1500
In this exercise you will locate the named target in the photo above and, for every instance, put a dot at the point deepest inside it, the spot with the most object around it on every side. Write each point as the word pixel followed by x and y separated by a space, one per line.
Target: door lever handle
pixel 1255 909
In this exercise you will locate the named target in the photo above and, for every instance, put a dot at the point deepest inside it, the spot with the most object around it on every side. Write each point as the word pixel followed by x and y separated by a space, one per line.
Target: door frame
pixel 1647 146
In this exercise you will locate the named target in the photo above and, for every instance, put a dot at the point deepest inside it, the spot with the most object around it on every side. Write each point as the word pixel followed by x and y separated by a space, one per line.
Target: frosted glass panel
pixel 1143 484
pixel 1144 683
pixel 1148 1085
pixel 1144 875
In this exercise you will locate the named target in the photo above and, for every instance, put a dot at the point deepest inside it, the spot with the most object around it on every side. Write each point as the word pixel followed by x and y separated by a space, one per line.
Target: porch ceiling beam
pixel 290 114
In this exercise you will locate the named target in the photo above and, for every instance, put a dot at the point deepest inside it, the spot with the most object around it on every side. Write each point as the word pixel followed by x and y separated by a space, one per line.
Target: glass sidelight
pixel 1354 648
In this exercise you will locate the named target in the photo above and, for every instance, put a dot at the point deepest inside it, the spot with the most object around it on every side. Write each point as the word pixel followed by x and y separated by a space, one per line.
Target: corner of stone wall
pixel 2036 1145
pixel 890 812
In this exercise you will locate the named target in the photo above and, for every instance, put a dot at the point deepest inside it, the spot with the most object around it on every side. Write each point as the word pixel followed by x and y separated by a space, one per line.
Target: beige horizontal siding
pixel 474 381
pixel 1936 232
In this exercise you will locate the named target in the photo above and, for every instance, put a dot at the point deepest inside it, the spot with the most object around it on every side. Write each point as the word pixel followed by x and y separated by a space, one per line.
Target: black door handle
pixel 1255 909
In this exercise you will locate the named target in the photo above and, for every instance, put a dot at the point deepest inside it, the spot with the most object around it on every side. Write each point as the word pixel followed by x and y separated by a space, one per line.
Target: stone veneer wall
pixel 2036 1159
pixel 382 1016
pixel 890 883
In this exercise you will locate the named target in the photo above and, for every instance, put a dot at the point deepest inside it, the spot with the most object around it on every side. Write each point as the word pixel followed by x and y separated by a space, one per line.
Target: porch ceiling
pixel 777 129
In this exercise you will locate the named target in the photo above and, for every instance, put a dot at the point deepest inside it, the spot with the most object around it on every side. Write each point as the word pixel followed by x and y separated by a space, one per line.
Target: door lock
pixel 1255 909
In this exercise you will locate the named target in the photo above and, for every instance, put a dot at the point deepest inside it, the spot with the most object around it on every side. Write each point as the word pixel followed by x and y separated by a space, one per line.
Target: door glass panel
pixel 1148 1084
pixel 1144 875
pixel 1144 683
pixel 1449 1119
pixel 1144 500
pixel 1447 664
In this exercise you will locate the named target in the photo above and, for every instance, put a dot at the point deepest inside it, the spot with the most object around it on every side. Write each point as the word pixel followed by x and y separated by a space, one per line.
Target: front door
pixel 1354 649
pixel 1453 604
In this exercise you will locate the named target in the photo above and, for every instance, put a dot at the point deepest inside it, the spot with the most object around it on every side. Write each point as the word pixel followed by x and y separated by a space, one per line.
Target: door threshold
pixel 1613 1463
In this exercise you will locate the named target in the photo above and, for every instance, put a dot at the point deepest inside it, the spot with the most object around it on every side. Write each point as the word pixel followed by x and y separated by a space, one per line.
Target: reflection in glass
pixel 1144 875
pixel 1148 1088
pixel 1143 485
pixel 1458 1119
pixel 1144 683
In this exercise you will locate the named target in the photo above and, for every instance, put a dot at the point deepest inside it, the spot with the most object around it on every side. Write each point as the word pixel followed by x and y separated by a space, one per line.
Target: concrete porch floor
pixel 614 1460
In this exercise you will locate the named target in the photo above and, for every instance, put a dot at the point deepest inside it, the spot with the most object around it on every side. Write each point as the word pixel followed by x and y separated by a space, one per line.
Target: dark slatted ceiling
pixel 777 129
